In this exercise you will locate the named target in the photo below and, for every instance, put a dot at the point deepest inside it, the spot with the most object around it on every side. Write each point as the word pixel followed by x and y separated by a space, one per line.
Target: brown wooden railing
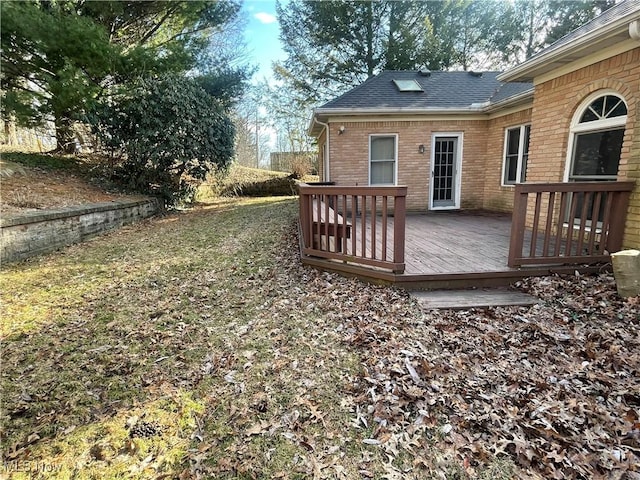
pixel 567 223
pixel 360 225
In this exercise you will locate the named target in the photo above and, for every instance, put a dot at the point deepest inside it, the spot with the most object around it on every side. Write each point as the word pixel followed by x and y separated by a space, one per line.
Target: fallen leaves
pixel 277 370
pixel 553 386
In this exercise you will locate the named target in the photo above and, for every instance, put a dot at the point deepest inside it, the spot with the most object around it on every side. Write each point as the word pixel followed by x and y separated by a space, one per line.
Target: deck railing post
pixel 305 211
pixel 399 230
pixel 619 207
pixel 518 222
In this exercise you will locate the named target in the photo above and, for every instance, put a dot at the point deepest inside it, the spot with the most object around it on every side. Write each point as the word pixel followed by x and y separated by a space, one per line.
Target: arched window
pixel 597 132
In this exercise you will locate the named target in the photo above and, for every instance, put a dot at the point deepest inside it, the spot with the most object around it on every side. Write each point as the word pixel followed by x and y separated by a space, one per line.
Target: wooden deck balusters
pixel 567 223
pixel 354 224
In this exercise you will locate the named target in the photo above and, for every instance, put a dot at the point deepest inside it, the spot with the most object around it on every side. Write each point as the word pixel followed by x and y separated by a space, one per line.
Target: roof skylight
pixel 408 86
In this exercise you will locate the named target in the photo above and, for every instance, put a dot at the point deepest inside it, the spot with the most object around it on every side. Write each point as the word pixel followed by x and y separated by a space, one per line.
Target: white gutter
pixel 326 127
pixel 514 99
pixel 553 54
pixel 634 30
pixel 369 111
pixel 312 121
pixel 485 107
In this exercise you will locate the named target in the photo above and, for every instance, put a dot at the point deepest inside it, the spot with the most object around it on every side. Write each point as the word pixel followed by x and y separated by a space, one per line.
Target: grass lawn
pixel 196 346
pixel 176 347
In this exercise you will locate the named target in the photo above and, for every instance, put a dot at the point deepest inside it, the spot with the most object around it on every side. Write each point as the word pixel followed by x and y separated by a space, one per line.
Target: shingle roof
pixel 510 90
pixel 442 90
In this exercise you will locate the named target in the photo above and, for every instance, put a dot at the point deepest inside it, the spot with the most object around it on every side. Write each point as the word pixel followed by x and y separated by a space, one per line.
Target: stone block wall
pixel 41 232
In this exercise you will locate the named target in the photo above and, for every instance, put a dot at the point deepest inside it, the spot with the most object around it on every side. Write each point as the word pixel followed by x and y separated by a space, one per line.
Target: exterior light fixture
pixel 341 130
pixel 420 148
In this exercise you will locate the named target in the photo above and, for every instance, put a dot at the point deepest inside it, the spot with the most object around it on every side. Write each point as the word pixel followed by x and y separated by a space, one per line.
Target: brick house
pixel 463 140
pixel 432 131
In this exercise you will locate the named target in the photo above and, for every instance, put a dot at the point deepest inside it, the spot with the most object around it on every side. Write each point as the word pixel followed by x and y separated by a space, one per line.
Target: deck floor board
pixel 449 250
pixel 444 243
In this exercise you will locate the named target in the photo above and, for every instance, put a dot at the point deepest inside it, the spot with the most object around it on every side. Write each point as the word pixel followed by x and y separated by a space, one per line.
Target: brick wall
pixel 350 156
pixel 631 171
pixel 497 197
pixel 555 103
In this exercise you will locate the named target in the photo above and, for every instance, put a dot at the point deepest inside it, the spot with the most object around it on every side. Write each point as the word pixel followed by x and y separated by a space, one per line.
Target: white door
pixel 446 156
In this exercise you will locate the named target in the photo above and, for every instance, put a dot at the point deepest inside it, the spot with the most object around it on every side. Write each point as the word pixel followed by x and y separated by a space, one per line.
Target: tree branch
pixel 155 28
pixel 181 34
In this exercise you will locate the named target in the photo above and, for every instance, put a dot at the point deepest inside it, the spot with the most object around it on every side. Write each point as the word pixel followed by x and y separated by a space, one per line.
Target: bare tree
pixel 252 129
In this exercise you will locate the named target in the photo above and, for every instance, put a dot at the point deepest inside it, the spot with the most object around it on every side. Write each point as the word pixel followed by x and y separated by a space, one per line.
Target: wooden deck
pixel 446 243
pixel 448 250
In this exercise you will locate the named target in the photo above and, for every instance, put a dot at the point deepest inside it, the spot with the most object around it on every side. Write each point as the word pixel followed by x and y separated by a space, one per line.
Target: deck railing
pixel 567 223
pixel 359 225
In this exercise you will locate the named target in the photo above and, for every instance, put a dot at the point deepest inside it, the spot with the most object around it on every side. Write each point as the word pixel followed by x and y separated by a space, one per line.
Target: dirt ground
pixel 26 189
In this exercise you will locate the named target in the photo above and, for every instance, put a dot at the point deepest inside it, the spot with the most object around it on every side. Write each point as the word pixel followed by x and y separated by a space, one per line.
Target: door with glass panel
pixel 445 164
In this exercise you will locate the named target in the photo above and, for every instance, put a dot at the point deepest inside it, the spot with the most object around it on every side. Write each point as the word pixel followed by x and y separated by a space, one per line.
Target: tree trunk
pixel 531 33
pixel 10 134
pixel 65 137
pixel 370 53
pixel 626 270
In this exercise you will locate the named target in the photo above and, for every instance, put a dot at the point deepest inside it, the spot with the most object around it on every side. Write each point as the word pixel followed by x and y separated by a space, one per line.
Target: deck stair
pixel 472 298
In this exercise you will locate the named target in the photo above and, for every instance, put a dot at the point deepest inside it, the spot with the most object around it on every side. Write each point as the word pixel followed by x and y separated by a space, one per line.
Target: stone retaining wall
pixel 40 232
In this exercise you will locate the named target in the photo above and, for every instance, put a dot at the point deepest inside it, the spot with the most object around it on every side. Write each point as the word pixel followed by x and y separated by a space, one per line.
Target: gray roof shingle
pixel 442 90
pixel 510 90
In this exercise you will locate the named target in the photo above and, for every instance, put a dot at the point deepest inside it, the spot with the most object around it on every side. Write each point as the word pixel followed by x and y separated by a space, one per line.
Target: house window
pixel 595 145
pixel 382 159
pixel 596 139
pixel 516 154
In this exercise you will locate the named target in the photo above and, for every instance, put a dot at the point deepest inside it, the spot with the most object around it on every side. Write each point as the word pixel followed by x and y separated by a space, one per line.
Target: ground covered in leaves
pixel 33 182
pixel 196 346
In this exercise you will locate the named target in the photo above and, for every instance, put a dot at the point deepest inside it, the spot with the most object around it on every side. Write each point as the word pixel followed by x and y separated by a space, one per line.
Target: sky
pixel 261 35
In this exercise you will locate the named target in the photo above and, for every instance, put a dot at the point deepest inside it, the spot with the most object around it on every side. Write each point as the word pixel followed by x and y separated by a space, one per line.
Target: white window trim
pixel 395 159
pixel 460 137
pixel 577 127
pixel 520 154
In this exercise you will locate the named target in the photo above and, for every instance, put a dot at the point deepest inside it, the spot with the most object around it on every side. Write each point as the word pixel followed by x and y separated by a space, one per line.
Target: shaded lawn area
pixel 187 329
pixel 196 346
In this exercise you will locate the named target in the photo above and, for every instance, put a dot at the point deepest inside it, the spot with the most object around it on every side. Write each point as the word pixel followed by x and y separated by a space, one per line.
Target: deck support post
pixel 619 205
pixel 400 214
pixel 305 214
pixel 518 223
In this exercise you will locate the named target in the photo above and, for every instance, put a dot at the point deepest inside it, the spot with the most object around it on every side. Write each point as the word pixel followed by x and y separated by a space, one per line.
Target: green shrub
pixel 274 187
pixel 168 135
